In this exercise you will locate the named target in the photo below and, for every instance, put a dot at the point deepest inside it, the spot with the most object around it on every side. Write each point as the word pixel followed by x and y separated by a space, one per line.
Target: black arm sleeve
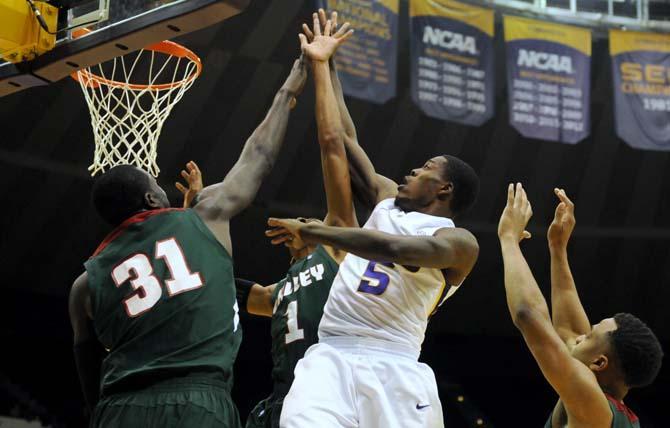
pixel 88 356
pixel 243 288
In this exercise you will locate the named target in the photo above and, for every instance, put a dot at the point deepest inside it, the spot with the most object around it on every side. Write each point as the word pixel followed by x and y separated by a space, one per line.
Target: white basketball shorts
pixel 348 382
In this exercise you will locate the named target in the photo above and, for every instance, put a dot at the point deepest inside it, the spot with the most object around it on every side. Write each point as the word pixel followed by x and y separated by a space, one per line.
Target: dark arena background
pixel 620 252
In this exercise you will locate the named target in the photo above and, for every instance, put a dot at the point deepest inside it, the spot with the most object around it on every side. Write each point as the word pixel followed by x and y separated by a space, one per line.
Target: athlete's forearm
pixel 328 121
pixel 345 118
pixel 259 154
pixel 365 181
pixel 568 315
pixel 420 251
pixel 524 298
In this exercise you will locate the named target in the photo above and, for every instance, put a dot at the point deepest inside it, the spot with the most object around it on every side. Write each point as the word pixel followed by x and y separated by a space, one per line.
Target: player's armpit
pixel 574 382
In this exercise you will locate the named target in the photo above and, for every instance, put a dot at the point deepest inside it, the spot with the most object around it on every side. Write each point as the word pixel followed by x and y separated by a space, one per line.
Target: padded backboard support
pixel 115 40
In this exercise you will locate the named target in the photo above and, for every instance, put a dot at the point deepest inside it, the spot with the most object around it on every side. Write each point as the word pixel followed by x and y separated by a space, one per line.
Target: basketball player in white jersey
pixel 407 259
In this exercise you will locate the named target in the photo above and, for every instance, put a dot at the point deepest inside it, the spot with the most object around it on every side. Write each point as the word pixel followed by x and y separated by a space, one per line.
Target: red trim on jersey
pixel 632 417
pixel 137 218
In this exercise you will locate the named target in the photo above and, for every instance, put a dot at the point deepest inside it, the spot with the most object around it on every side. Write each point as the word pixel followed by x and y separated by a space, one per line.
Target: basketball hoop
pixel 129 98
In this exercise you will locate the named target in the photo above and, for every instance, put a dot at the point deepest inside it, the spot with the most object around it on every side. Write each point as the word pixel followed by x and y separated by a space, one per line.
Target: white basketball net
pixel 127 118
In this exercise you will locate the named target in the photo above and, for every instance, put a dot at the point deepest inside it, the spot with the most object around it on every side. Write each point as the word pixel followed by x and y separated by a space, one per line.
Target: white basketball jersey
pixel 384 300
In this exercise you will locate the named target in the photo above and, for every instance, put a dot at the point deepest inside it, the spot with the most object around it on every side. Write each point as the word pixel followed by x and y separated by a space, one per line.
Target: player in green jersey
pixel 296 302
pixel 159 292
pixel 592 368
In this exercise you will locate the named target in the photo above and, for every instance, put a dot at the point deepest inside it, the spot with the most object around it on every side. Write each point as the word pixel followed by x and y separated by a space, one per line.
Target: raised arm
pixel 88 352
pixel 369 186
pixel 218 203
pixel 568 315
pixel 577 386
pixel 452 248
pixel 330 130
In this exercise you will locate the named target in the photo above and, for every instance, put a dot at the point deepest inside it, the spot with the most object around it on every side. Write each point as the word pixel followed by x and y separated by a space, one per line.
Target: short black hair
pixel 119 193
pixel 637 350
pixel 465 181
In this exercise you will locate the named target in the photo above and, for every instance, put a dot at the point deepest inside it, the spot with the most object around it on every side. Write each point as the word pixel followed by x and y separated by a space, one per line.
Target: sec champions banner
pixel 641 75
pixel 451 55
pixel 367 62
pixel 548 79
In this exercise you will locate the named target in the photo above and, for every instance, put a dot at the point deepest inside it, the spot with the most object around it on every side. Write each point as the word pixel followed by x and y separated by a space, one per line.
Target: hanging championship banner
pixel 641 76
pixel 548 79
pixel 451 54
pixel 367 62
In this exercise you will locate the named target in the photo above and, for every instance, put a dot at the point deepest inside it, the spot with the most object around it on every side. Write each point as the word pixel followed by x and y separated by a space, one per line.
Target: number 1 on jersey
pixel 294 333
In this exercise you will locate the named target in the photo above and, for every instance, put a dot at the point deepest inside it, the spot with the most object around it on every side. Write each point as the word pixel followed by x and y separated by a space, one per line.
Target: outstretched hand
pixel 322 21
pixel 295 81
pixel 320 44
pixel 564 221
pixel 516 215
pixel 285 231
pixel 193 178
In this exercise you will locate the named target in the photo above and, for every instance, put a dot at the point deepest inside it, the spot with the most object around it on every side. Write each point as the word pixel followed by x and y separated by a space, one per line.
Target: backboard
pixel 118 27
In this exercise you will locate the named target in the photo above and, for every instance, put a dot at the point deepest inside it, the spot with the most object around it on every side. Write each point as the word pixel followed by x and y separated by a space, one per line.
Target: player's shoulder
pixel 460 237
pixel 387 204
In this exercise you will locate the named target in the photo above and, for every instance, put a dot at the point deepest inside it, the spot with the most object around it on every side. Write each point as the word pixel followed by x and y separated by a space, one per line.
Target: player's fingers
pixel 517 195
pixel 342 30
pixel 333 18
pixel 510 195
pixel 281 239
pixel 345 37
pixel 276 232
pixel 322 18
pixel 196 168
pixel 307 31
pixel 316 26
pixel 184 175
pixel 560 209
pixel 275 222
pixel 526 235
pixel 180 187
pixel 327 28
pixel 564 198
pixel 303 42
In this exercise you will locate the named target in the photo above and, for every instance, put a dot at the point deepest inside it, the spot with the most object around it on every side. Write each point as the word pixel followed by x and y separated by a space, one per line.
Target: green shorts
pixel 266 414
pixel 189 402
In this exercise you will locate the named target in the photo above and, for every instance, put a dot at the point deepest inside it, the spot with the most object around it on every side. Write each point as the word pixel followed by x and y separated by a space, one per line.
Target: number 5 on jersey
pixel 139 270
pixel 373 282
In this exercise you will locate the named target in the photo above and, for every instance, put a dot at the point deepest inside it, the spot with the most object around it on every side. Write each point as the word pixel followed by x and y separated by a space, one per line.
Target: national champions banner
pixel 451 55
pixel 367 62
pixel 548 79
pixel 641 76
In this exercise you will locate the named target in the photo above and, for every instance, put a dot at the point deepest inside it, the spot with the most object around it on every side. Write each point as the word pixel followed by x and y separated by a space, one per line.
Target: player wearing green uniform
pixel 152 358
pixel 622 416
pixel 592 368
pixel 159 293
pixel 296 302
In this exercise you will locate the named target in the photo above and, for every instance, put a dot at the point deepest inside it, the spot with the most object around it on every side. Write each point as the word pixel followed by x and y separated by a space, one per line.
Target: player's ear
pixel 152 201
pixel 600 363
pixel 446 190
